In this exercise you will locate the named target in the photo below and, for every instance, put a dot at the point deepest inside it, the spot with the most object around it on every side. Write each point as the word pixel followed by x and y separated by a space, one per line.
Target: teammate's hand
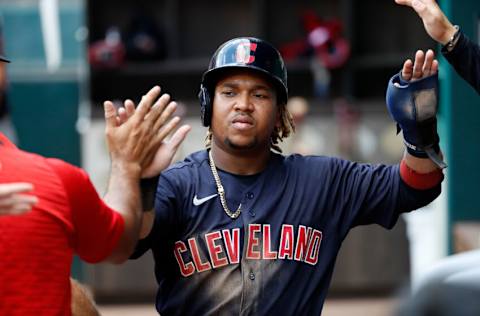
pixel 161 152
pixel 434 20
pixel 424 65
pixel 12 201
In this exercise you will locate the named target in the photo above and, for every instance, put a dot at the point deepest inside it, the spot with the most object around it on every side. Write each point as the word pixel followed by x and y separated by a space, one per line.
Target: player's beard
pixel 230 144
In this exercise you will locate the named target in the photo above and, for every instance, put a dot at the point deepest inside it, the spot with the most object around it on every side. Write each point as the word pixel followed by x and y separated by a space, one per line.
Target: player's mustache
pixel 242 117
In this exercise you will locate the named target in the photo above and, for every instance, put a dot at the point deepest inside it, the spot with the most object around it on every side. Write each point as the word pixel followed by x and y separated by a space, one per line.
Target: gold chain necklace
pixel 221 191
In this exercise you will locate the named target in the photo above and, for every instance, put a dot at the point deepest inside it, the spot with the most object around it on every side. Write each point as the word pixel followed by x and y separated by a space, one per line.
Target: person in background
pixel 461 52
pixel 37 247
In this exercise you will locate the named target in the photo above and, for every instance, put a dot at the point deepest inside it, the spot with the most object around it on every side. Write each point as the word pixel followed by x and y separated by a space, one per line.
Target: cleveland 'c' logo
pixel 244 52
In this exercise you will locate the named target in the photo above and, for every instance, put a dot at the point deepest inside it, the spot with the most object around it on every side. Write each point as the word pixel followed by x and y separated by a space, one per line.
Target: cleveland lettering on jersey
pixel 223 247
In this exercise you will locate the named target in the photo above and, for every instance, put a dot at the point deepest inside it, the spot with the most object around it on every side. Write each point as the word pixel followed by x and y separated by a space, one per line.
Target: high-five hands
pixel 138 134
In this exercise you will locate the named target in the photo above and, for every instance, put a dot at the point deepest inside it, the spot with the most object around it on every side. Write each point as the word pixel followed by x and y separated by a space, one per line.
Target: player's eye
pixel 228 93
pixel 261 95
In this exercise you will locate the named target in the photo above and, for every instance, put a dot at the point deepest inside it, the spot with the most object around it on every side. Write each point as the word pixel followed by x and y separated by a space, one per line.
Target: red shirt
pixel 36 248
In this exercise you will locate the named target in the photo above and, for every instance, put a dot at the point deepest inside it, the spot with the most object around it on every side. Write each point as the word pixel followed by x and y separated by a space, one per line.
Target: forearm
pixel 82 301
pixel 123 195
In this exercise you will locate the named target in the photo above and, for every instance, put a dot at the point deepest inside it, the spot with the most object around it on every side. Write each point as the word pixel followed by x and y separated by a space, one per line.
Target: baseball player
pixel 37 247
pixel 239 229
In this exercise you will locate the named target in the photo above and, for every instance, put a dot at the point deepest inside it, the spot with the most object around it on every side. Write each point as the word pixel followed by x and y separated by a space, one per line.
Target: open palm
pixel 162 158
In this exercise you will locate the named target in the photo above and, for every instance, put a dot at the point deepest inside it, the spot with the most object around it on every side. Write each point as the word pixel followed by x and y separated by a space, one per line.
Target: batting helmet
pixel 243 52
pixel 2 58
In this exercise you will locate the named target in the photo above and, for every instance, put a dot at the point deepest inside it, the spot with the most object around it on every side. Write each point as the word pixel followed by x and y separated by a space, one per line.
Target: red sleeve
pixel 97 228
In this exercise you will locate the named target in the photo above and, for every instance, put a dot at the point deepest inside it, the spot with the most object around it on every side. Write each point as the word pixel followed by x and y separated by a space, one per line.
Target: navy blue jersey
pixel 277 257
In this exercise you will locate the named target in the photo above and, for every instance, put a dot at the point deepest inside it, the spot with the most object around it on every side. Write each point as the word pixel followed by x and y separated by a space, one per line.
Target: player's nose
pixel 243 102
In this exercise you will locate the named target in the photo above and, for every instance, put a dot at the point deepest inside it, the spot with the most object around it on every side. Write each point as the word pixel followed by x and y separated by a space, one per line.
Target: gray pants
pixel 451 287
pixel 461 269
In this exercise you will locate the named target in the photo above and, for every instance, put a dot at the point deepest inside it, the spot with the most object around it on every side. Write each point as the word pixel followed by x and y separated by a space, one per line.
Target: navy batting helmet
pixel 2 58
pixel 243 52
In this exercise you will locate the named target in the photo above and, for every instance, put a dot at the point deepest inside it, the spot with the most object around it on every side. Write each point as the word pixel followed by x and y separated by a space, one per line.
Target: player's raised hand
pixel 434 20
pixel 150 123
pixel 12 201
pixel 164 155
pixel 423 66
pixel 412 100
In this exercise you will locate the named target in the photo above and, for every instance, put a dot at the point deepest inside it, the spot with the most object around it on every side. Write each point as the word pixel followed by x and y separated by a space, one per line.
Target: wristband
pixel 420 181
pixel 419 153
pixel 453 40
pixel 148 188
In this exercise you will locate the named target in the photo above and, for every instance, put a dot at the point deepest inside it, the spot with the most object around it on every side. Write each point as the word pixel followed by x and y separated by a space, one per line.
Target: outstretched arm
pixel 462 53
pixel 434 20
pixel 412 100
pixel 135 143
pixel 161 160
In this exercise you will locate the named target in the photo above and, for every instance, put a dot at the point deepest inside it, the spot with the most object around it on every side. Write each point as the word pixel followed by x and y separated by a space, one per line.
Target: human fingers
pixel 178 137
pixel 419 7
pixel 418 65
pixel 129 107
pixel 15 187
pixel 404 2
pixel 171 146
pixel 125 112
pixel 407 70
pixel 161 156
pixel 15 210
pixel 145 104
pixel 110 114
pixel 427 65
pixel 166 129
pixel 122 115
pixel 27 199
pixel 166 114
pixel 158 108
pixel 17 200
pixel 434 67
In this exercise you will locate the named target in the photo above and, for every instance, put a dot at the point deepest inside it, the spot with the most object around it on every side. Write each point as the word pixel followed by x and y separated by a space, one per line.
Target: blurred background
pixel 69 56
